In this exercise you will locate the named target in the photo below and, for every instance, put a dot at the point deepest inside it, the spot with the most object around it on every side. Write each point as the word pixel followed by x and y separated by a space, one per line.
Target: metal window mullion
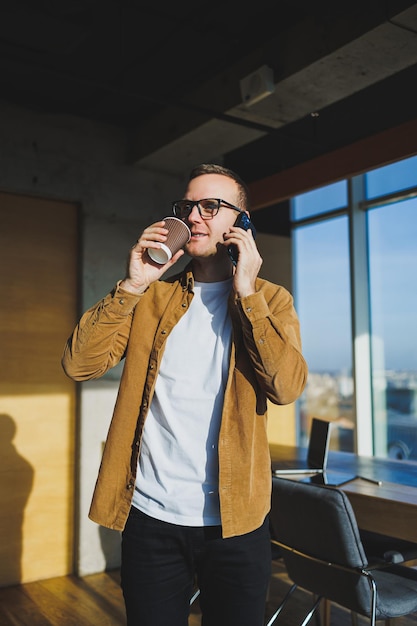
pixel 361 326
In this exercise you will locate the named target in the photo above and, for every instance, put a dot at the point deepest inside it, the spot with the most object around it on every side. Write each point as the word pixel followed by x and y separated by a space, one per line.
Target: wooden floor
pixel 96 600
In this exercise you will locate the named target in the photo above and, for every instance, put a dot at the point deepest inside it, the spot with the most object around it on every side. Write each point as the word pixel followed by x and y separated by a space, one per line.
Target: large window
pixel 355 288
pixel 392 232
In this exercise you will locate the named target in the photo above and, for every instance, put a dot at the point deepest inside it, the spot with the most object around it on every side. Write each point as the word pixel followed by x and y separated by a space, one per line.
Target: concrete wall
pixel 75 160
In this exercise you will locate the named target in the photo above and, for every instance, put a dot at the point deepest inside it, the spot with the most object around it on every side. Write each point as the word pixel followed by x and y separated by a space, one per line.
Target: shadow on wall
pixel 110 545
pixel 16 480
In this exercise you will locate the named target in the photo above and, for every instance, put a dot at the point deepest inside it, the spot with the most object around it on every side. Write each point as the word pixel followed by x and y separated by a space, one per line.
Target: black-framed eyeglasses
pixel 208 207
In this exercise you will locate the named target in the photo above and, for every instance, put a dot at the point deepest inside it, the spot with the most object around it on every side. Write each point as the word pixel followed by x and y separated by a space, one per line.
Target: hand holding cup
pixel 178 235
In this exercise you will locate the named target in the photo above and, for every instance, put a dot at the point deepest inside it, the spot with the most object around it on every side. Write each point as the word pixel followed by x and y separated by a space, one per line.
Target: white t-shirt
pixel 177 477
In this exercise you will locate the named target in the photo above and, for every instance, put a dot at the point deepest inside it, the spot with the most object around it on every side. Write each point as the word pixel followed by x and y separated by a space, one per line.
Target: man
pixel 186 473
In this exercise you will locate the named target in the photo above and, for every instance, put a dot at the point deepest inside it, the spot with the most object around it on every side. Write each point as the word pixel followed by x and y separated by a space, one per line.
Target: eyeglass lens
pixel 207 207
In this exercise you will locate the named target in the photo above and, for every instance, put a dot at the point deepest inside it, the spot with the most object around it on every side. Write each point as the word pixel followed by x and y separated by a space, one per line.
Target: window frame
pixel 356 212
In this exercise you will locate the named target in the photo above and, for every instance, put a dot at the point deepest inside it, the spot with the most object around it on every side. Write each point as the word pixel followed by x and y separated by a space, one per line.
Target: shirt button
pixel 249 309
pixel 121 301
pixel 184 305
pixel 164 332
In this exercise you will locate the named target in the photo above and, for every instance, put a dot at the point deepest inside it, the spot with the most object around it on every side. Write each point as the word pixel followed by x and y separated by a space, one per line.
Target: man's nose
pixel 194 215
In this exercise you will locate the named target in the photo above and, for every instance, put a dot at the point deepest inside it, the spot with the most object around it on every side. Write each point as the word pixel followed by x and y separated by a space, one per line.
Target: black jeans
pixel 161 562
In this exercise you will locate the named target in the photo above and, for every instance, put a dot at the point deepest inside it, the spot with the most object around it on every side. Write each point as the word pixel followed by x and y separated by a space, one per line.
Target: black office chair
pixel 316 529
pixel 195 595
pixel 386 548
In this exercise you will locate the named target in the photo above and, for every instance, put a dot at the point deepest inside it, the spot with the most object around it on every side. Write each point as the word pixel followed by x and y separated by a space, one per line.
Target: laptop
pixel 334 479
pixel 317 451
pixel 316 463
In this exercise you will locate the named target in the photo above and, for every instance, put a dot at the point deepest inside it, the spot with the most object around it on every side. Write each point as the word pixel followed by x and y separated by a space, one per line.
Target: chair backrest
pixel 318 521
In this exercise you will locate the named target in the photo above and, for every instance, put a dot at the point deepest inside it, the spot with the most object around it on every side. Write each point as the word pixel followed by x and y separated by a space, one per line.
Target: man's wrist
pixel 128 285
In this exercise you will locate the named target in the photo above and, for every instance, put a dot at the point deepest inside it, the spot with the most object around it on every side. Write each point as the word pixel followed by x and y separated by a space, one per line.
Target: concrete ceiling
pixel 268 85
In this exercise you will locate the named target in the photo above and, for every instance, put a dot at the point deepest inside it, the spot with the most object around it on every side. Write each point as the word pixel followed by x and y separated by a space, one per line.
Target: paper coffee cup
pixel 178 235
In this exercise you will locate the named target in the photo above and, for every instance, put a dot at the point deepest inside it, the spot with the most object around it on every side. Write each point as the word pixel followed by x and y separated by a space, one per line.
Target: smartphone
pixel 244 222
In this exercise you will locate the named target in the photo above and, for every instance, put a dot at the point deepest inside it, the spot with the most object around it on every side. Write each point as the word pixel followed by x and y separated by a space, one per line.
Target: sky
pixel 322 273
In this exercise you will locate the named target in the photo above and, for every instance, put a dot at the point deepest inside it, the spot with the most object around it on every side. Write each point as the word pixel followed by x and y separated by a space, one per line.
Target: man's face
pixel 206 234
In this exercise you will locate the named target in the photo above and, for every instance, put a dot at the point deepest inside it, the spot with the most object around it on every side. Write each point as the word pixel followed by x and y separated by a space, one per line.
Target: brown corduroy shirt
pixel 265 362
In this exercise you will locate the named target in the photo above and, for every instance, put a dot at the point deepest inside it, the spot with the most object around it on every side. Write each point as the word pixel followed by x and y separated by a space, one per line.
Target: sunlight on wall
pixel 281 424
pixel 37 482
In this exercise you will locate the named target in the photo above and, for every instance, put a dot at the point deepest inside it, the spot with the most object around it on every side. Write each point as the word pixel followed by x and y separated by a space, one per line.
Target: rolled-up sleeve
pixel 99 340
pixel 271 333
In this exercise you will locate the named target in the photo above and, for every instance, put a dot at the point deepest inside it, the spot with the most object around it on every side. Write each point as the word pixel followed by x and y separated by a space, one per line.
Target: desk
pixel 390 508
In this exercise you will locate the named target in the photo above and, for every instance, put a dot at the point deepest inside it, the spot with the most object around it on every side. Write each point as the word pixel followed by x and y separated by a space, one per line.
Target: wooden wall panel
pixel 38 278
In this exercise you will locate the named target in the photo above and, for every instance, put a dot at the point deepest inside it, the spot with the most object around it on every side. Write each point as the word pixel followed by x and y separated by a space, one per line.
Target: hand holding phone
pixel 242 221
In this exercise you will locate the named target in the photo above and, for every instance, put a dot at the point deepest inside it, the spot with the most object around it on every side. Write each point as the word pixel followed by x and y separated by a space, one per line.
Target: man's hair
pixel 213 168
